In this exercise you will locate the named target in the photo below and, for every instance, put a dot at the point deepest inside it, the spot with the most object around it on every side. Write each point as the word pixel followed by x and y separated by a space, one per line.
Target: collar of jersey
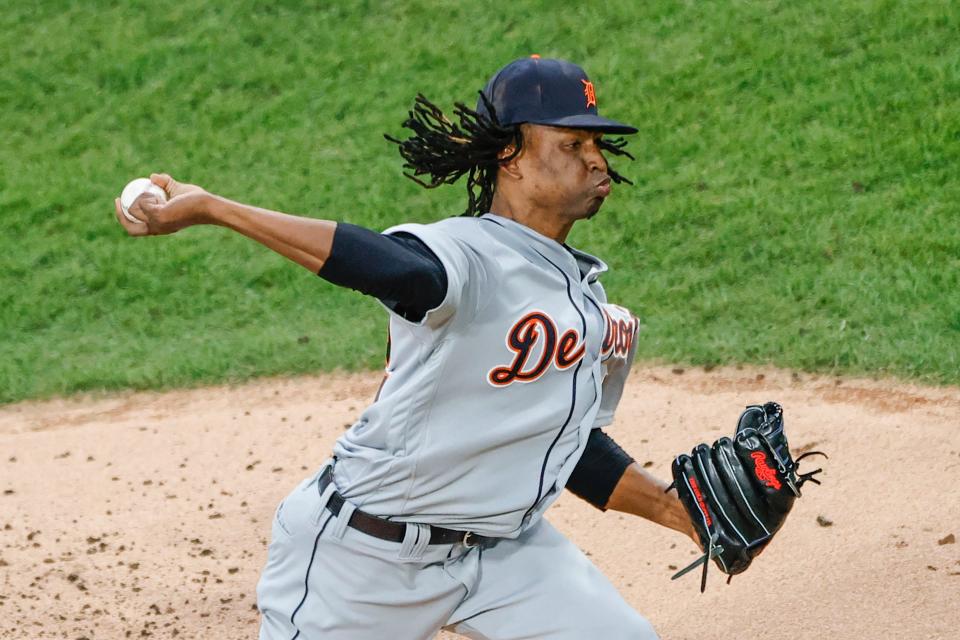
pixel 553 248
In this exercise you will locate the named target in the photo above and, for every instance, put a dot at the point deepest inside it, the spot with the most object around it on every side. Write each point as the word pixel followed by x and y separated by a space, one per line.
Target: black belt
pixel 396 531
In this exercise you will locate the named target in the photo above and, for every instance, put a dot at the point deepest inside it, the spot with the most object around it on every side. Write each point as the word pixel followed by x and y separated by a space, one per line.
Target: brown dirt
pixel 147 515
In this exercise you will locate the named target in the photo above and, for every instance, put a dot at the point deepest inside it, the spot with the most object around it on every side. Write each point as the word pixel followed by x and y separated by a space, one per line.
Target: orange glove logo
pixel 765 474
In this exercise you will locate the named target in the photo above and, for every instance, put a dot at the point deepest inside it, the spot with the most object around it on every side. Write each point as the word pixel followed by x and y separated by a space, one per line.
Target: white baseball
pixel 135 189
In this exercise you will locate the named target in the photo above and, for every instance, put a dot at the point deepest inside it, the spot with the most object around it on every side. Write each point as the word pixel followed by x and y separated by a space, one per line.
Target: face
pixel 563 170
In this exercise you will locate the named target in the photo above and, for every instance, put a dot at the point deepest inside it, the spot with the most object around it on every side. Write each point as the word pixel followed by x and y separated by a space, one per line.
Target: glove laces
pixel 804 477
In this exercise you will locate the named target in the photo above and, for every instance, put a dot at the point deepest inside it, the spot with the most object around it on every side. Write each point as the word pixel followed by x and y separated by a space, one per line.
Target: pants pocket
pixel 280 526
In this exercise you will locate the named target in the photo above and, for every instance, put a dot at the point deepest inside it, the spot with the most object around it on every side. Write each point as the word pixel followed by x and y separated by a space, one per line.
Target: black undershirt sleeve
pixel 398 269
pixel 599 469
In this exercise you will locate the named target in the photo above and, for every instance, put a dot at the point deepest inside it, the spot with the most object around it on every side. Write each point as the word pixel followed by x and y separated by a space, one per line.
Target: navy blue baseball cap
pixel 546 91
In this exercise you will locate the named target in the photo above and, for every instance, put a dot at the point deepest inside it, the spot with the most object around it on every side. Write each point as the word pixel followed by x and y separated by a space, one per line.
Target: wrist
pixel 682 521
pixel 215 210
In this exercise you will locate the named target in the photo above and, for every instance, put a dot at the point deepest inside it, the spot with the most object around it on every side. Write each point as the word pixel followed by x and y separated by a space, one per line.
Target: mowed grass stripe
pixel 795 200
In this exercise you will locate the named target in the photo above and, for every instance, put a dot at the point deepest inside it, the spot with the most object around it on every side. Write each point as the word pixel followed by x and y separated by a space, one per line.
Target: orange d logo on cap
pixel 588 92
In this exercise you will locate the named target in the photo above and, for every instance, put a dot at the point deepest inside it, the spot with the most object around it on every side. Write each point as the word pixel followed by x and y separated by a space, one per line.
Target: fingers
pixel 165 182
pixel 137 211
pixel 150 206
pixel 173 188
pixel 132 228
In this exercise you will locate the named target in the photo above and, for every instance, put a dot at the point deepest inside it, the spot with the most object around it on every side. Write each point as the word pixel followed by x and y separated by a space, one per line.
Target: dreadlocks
pixel 445 151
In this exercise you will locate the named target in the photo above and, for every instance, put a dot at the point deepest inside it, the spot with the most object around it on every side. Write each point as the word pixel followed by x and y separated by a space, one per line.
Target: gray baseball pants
pixel 324 580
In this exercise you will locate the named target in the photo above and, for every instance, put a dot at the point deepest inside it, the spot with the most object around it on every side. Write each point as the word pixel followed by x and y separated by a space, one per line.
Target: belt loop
pixel 415 541
pixel 324 494
pixel 343 518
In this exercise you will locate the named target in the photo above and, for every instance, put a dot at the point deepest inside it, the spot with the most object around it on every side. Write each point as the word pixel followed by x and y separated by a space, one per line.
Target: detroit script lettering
pixel 535 328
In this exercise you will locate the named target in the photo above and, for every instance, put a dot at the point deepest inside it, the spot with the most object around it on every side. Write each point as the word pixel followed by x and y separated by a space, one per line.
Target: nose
pixel 594 157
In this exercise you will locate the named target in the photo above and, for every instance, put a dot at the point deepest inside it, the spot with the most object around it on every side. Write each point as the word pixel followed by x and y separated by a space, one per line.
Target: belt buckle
pixel 466 540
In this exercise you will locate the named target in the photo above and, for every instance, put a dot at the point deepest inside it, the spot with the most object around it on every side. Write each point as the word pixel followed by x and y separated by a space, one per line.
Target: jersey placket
pixel 586 301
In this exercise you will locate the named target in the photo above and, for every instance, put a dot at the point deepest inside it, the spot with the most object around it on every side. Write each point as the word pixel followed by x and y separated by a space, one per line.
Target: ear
pixel 512 166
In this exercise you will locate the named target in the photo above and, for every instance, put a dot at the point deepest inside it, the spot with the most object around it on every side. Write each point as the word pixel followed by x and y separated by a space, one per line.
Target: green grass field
pixel 796 202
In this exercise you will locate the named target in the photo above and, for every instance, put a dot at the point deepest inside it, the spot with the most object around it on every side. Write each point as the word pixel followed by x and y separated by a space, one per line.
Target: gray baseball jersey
pixel 488 400
pixel 485 410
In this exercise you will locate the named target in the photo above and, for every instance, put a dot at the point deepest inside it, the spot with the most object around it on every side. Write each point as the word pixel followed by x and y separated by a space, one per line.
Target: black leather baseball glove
pixel 739 491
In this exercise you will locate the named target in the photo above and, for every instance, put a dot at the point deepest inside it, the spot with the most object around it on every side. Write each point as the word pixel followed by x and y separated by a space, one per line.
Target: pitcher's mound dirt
pixel 147 515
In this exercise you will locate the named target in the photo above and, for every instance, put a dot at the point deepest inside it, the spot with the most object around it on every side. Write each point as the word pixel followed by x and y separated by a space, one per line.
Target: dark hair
pixel 446 150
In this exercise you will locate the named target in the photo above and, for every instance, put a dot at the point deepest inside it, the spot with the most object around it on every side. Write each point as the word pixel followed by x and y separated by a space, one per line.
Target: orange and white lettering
pixel 537 330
